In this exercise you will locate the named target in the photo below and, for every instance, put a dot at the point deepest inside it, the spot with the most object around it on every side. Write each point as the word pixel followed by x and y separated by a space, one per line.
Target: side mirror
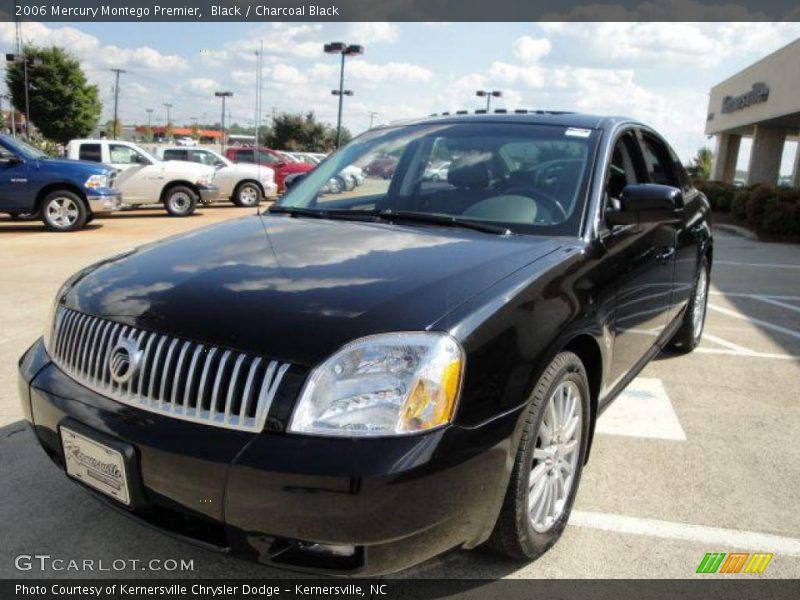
pixel 646 203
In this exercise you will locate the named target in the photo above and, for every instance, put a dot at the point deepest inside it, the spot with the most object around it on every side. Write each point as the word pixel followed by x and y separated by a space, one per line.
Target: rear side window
pixel 90 152
pixel 176 155
pixel 658 161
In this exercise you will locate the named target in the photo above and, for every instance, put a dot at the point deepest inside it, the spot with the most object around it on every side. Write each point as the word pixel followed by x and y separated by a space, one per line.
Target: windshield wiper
pixel 392 216
pixel 446 220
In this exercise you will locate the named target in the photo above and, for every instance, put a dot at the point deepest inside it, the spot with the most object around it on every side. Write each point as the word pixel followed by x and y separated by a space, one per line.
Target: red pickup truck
pixel 271 158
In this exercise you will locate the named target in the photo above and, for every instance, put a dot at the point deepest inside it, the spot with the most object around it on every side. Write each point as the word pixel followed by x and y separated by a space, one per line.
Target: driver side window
pixel 123 155
pixel 624 169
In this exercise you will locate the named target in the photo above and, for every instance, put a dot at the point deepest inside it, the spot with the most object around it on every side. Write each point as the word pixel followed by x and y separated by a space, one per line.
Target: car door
pixel 225 178
pixel 138 180
pixel 15 190
pixel 641 258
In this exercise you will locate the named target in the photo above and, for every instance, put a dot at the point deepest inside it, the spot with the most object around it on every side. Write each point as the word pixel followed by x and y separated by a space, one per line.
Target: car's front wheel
pixel 688 337
pixel 548 464
pixel 247 194
pixel 64 211
pixel 180 201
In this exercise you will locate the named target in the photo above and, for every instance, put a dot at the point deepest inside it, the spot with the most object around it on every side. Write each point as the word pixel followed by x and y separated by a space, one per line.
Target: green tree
pixel 700 167
pixel 63 104
pixel 114 128
pixel 301 133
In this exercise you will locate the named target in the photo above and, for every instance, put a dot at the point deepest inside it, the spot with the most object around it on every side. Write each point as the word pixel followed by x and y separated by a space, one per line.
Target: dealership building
pixel 761 102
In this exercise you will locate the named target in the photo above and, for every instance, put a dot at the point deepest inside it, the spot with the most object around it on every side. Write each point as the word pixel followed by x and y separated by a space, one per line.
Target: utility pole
pixel 259 63
pixel 372 116
pixel 116 102
pixel 149 112
pixel 167 124
pixel 26 62
pixel 223 95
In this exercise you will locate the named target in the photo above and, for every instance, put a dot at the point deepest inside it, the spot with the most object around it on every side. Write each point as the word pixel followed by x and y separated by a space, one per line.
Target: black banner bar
pixel 397 10
pixel 741 588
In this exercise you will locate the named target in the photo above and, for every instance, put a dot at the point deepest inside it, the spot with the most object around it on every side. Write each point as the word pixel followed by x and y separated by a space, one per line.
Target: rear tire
pixel 690 334
pixel 247 194
pixel 180 201
pixel 549 462
pixel 64 211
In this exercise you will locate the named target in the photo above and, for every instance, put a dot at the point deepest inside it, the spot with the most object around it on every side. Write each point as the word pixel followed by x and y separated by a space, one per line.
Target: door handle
pixel 665 254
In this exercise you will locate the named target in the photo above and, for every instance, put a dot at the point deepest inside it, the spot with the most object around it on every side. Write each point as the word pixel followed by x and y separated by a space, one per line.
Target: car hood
pixel 185 167
pixel 90 168
pixel 296 289
pixel 248 170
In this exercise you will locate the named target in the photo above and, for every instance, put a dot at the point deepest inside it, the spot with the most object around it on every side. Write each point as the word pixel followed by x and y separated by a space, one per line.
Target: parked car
pixel 186 141
pixel 243 184
pixel 144 179
pixel 65 194
pixel 436 171
pixel 382 167
pixel 356 385
pixel 271 158
pixel 351 176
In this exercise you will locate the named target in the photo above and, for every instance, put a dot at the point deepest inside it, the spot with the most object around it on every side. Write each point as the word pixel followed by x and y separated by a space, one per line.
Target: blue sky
pixel 657 72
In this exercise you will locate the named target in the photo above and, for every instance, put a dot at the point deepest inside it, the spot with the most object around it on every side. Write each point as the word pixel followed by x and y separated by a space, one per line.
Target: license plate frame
pixel 97 465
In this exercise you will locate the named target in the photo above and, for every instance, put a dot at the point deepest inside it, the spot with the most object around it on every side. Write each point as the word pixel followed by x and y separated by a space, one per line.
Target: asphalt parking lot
pixel 699 455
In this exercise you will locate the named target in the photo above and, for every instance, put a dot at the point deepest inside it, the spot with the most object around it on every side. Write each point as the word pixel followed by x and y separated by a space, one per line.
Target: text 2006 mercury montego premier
pixel 354 383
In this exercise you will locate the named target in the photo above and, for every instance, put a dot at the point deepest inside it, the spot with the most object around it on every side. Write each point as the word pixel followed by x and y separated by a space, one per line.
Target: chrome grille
pixel 176 378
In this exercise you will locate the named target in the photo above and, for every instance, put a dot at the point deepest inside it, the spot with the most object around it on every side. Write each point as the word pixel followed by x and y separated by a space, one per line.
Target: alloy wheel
pixel 699 308
pixel 555 457
pixel 62 212
pixel 248 195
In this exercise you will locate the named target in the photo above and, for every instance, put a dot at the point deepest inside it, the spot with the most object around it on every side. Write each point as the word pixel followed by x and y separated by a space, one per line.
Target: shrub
pixel 764 208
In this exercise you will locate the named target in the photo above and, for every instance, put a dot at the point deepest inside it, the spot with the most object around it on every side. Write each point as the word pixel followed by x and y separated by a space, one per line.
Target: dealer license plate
pixel 95 464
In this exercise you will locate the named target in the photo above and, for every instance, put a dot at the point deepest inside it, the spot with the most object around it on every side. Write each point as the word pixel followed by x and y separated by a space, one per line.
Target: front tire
pixel 247 194
pixel 180 201
pixel 549 462
pixel 64 211
pixel 688 337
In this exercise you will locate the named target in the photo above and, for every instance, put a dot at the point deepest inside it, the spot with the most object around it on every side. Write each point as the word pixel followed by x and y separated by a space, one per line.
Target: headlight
pixel 387 384
pixel 206 180
pixel 96 181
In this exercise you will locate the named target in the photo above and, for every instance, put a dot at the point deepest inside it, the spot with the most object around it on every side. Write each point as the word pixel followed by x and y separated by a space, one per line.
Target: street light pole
pixel 372 116
pixel 26 61
pixel 489 95
pixel 223 95
pixel 345 50
pixel 149 112
pixel 116 101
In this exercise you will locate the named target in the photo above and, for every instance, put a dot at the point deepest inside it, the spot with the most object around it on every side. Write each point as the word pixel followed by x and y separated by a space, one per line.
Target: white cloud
pixel 287 74
pixel 530 49
pixel 361 70
pixel 373 33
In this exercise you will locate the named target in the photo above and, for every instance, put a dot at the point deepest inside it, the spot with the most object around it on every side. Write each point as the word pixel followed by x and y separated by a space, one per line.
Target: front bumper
pixel 273 497
pixel 104 201
pixel 208 193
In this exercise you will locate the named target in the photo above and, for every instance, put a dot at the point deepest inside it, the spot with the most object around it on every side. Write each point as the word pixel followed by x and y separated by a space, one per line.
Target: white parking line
pixel 729 345
pixel 765 265
pixel 710 536
pixel 743 295
pixel 774 302
pixel 766 324
pixel 642 410
pixel 751 354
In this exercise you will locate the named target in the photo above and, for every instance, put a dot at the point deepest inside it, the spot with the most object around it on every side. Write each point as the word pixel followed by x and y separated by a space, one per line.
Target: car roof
pixel 529 117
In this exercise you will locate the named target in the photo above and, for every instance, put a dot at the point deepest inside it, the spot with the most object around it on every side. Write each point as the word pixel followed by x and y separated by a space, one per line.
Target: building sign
pixel 758 94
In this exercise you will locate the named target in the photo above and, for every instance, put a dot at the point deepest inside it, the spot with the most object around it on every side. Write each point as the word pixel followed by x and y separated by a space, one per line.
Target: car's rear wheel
pixel 247 194
pixel 548 464
pixel 64 211
pixel 688 337
pixel 180 201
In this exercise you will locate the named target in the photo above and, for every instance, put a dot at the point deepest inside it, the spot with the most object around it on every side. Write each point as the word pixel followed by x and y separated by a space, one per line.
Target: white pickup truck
pixel 244 184
pixel 144 179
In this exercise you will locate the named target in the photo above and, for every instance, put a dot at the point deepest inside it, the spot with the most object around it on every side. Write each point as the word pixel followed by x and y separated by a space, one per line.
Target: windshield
pixel 25 150
pixel 526 178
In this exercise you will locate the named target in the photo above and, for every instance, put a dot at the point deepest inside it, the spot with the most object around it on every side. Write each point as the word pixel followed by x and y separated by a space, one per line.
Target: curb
pixel 737 231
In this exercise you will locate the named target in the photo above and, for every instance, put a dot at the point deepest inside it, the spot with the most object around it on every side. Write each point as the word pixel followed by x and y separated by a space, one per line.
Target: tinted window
pixel 173 154
pixel 206 158
pixel 91 152
pixel 658 161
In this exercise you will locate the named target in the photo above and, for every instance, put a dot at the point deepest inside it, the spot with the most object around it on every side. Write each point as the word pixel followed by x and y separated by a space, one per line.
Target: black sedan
pixel 354 383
